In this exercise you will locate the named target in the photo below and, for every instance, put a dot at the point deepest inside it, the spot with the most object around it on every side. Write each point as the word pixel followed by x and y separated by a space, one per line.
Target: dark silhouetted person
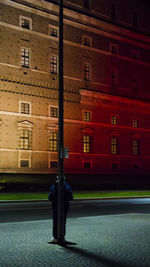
pixel 52 196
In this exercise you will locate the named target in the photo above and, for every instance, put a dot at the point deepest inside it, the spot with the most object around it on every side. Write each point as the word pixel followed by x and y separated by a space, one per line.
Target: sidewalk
pixel 110 240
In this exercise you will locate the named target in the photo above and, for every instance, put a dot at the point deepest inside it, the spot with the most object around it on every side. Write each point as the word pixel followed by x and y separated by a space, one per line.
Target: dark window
pixel 135 147
pixel 87 165
pixel 114 166
pixel 114 78
pixel 53 32
pixel 24 163
pixel 113 11
pixel 25 23
pixel 135 19
pixel 53 164
pixel 86 3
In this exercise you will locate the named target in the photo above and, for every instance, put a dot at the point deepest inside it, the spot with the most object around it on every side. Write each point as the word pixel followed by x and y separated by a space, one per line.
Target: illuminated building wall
pixel 106 85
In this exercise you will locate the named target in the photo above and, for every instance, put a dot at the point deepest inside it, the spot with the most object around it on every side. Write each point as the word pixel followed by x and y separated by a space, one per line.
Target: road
pixel 41 210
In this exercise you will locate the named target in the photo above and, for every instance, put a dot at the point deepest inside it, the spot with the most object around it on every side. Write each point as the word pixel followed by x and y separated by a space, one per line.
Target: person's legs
pixel 55 222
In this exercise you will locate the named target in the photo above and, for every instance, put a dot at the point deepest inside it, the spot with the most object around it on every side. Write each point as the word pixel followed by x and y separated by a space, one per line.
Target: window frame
pixel 24 102
pixel 83 115
pixel 25 18
pixel 111 49
pixel 54 28
pixel 135 146
pixel 53 141
pixel 135 123
pixel 88 38
pixel 87 72
pixel 23 138
pixel 114 71
pixel 113 121
pixel 114 147
pixel 54 65
pixel 55 107
pixel 86 144
pixel 24 57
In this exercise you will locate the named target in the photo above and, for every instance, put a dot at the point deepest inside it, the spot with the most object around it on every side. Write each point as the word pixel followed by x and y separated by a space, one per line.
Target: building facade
pixel 106 86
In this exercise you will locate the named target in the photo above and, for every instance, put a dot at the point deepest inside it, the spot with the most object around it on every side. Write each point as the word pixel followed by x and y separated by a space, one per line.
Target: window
pixel 25 22
pixel 113 49
pixel 53 164
pixel 87 165
pixel 54 112
pixel 25 141
pixel 53 141
pixel 24 163
pixel 87 41
pixel 114 146
pixel 25 58
pixel 135 123
pixel 53 64
pixel 86 3
pixel 134 83
pixel 135 147
pixel 86 143
pixel 87 116
pixel 135 19
pixel 114 120
pixel 53 31
pixel 113 11
pixel 114 166
pixel 25 108
pixel 86 72
pixel 135 54
pixel 114 78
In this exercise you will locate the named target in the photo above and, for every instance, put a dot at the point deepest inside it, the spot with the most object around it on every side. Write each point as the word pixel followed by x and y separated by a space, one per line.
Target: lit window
pixel 114 120
pixel 86 144
pixel 86 72
pixel 54 112
pixel 114 78
pixel 86 3
pixel 53 164
pixel 86 40
pixel 25 140
pixel 53 141
pixel 25 58
pixel 87 116
pixel 24 163
pixel 135 147
pixel 25 22
pixel 53 32
pixel 53 64
pixel 114 146
pixel 113 49
pixel 25 108
pixel 135 123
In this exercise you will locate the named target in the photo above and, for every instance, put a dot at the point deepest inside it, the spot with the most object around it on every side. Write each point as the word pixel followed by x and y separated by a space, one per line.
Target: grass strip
pixel 82 195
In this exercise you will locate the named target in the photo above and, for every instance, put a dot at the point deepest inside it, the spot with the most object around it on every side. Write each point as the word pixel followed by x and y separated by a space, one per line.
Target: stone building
pixel 106 86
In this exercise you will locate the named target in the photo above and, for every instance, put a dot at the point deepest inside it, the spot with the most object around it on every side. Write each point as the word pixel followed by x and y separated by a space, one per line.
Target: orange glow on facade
pixel 106 89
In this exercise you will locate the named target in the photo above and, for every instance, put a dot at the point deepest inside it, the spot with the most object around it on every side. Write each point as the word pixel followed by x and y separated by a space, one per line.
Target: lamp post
pixel 60 176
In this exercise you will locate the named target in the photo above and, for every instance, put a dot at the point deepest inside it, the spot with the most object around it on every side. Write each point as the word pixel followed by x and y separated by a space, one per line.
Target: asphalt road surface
pixel 41 210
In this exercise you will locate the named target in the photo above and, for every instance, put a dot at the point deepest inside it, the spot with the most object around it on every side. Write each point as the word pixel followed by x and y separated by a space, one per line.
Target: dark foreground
pixel 117 236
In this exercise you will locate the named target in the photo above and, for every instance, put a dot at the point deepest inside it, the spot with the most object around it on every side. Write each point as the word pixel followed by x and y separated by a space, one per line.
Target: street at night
pixel 105 232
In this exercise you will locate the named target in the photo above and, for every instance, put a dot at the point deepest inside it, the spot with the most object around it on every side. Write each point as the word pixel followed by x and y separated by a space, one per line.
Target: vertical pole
pixel 60 178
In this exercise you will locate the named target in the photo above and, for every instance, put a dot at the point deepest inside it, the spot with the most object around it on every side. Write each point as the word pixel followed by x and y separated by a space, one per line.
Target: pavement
pixel 109 240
